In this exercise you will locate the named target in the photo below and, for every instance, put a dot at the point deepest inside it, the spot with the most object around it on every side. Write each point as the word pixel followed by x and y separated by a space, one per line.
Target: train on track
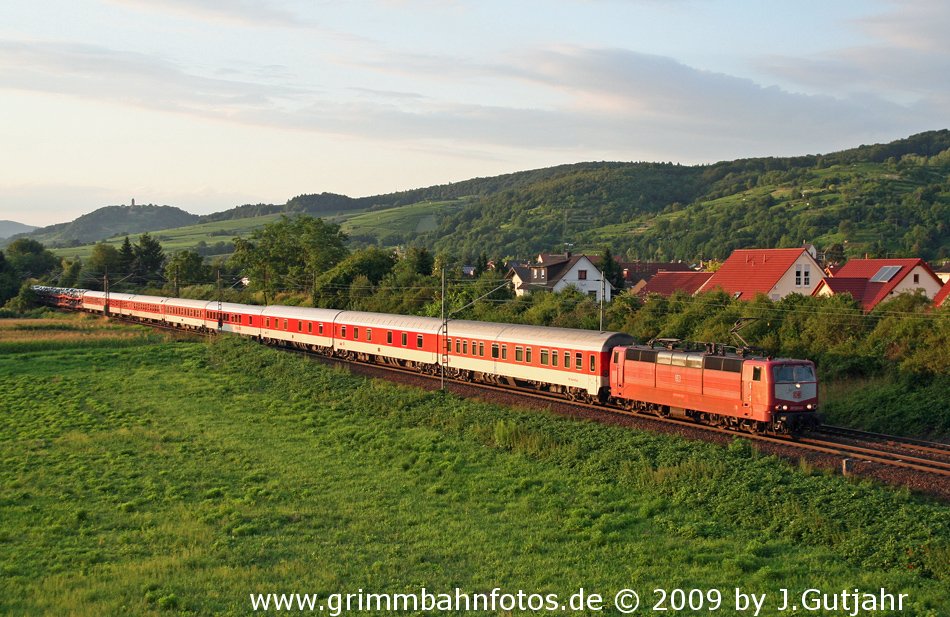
pixel 708 383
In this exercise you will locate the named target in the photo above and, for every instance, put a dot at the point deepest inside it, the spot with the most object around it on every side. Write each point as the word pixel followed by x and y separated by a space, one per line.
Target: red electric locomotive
pixel 717 386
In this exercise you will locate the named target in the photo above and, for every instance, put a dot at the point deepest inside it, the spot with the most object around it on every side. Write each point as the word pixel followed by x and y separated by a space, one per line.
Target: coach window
pixel 481 349
pixel 309 327
pixel 592 363
pixel 757 373
pixel 567 359
pixel 419 341
pixel 320 328
pixel 267 322
pixel 544 357
pixel 504 352
pixel 356 333
pixel 405 339
pixel 527 355
pixel 343 331
pixel 458 345
pixel 494 350
pixel 465 347
pixel 554 357
pixel 519 354
pixel 299 326
pixel 369 334
pixel 285 325
pixel 579 361
pixel 389 337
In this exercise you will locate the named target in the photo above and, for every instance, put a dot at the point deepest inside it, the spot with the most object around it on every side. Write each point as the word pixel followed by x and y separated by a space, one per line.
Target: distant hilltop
pixel 112 221
pixel 11 228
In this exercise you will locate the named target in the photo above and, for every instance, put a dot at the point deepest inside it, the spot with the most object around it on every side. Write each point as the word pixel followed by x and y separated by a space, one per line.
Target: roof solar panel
pixel 885 274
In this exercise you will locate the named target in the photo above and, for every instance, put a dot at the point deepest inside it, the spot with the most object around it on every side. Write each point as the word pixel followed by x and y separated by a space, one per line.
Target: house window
pixel 916 278
pixel 544 357
pixel 582 275
pixel 806 275
pixel 519 354
pixel 798 275
pixel 592 294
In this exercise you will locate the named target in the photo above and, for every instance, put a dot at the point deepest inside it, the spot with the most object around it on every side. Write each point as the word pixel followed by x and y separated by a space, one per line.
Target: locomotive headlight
pixel 784 407
pixel 808 406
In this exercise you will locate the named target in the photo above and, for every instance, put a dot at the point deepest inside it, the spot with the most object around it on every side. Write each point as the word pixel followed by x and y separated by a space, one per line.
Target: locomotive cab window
pixel 757 373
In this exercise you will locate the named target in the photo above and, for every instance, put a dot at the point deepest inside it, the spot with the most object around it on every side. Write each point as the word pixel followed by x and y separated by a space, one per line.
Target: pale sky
pixel 209 104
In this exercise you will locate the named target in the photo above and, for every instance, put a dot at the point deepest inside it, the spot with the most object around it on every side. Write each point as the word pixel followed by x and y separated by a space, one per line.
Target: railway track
pixel 831 446
pixel 847 445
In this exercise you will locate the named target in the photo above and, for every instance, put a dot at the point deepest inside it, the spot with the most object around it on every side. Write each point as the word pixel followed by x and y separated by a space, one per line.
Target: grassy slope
pixel 182 477
pixel 403 221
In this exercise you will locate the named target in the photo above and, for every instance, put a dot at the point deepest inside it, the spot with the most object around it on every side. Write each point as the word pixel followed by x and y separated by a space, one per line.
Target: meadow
pixel 162 477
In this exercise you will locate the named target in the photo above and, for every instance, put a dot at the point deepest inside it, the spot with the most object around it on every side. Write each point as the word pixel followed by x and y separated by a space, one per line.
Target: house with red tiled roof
pixel 941 296
pixel 773 272
pixel 667 283
pixel 871 281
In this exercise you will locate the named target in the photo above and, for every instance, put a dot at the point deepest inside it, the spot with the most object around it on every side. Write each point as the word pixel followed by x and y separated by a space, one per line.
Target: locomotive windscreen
pixel 793 373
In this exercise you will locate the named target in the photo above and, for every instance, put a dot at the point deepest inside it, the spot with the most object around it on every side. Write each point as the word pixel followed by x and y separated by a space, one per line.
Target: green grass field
pixel 165 478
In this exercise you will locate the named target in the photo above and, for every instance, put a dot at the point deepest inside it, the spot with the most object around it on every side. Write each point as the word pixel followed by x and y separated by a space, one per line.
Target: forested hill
pixel 9 228
pixel 882 199
pixel 320 204
pixel 112 221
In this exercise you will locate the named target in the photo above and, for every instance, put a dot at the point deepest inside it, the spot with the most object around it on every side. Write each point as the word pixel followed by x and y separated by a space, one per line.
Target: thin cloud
pixel 254 13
